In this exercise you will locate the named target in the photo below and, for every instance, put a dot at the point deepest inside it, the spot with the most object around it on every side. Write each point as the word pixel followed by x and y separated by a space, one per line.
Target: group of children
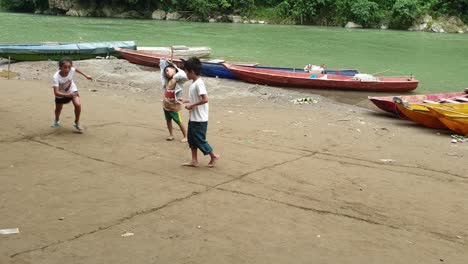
pixel 173 79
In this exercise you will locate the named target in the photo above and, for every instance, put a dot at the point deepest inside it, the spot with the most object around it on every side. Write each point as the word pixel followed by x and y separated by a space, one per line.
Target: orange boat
pixel 386 102
pixel 455 121
pixel 420 114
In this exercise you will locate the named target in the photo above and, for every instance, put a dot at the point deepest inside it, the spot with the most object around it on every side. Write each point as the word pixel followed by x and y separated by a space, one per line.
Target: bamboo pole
pixel 172 52
pixel 9 63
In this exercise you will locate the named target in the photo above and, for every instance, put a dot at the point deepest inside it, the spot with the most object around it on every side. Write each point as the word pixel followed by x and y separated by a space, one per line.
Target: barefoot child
pixel 198 106
pixel 65 91
pixel 172 79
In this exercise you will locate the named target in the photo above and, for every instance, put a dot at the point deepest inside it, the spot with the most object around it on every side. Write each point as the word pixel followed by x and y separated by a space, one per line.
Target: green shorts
pixel 172 115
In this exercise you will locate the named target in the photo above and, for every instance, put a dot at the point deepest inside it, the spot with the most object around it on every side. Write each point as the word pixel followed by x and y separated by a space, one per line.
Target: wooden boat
pixel 386 102
pixel 210 68
pixel 420 114
pixel 321 81
pixel 215 68
pixel 455 121
pixel 180 51
pixel 55 51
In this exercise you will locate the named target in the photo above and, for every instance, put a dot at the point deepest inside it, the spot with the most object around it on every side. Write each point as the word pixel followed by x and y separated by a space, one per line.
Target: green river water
pixel 439 61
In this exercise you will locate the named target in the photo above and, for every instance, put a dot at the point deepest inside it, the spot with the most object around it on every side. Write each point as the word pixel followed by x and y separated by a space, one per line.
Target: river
pixel 439 61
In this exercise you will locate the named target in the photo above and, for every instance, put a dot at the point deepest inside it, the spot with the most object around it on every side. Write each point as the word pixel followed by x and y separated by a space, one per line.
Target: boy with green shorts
pixel 172 82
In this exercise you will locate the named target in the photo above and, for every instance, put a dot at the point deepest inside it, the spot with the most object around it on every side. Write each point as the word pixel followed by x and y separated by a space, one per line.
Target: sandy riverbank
pixel 296 183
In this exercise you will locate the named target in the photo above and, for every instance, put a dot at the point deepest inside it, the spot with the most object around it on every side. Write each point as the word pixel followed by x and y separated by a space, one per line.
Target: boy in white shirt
pixel 198 107
pixel 65 91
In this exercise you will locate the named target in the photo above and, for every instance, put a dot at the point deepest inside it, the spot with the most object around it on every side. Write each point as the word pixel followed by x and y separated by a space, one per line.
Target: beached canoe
pixel 386 102
pixel 420 114
pixel 322 81
pixel 55 51
pixel 215 68
pixel 210 68
pixel 180 51
pixel 455 121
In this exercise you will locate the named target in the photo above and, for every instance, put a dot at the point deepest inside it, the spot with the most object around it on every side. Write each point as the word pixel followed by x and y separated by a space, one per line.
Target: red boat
pixel 386 102
pixel 146 58
pixel 322 81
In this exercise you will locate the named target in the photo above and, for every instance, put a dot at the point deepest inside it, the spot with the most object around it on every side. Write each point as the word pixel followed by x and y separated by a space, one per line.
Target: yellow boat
pixel 454 120
pixel 420 113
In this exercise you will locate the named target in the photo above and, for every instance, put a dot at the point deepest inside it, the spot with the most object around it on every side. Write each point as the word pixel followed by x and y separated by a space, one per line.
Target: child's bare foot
pixel 191 164
pixel 170 138
pixel 213 161
pixel 184 140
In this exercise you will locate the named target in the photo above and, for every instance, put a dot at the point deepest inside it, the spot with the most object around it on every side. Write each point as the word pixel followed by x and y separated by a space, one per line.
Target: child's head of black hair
pixel 65 60
pixel 193 65
pixel 170 71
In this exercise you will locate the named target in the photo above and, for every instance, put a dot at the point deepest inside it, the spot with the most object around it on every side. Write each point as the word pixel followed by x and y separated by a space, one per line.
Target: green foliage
pixel 366 13
pixel 405 12
pixel 369 13
pixel 18 5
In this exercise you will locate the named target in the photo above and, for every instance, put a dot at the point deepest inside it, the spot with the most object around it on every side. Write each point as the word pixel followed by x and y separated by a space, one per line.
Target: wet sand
pixel 322 183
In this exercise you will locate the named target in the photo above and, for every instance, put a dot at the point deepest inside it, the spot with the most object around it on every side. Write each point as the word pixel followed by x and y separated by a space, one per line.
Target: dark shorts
pixel 172 115
pixel 196 136
pixel 64 100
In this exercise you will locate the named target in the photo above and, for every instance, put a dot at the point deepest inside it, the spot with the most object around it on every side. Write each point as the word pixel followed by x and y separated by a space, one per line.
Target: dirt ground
pixel 319 183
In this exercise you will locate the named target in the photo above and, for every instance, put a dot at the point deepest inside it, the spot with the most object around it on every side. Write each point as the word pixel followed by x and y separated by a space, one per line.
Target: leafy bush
pixel 18 5
pixel 405 12
pixel 366 13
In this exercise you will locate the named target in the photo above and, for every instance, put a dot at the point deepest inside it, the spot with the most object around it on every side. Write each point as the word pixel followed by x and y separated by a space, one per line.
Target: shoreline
pixel 320 181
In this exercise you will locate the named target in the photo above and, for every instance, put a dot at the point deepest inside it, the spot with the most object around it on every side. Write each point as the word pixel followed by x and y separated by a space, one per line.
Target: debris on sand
pixel 459 139
pixel 305 100
pixel 127 234
pixel 9 231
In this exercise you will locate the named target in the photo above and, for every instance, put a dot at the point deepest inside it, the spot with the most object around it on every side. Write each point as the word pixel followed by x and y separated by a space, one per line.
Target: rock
pixel 130 14
pixel 384 27
pixel 352 25
pixel 261 22
pixel 107 11
pixel 253 21
pixel 235 19
pixel 173 16
pixel 461 31
pixel 72 12
pixel 246 21
pixel 158 14
pixel 38 12
pixel 437 27
pixel 453 24
pixel 426 19
pixel 418 27
pixel 212 20
pixel 421 24
pixel 64 5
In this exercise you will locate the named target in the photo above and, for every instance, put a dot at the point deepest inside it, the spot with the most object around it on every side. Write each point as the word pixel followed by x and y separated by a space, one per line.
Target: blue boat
pixel 55 51
pixel 215 68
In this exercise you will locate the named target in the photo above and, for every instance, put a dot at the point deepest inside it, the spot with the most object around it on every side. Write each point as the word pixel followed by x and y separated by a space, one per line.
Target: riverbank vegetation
pixel 399 14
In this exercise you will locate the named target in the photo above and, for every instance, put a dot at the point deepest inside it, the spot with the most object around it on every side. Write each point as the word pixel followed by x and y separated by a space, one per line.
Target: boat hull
pixel 386 103
pixel 456 123
pixel 303 80
pixel 76 51
pixel 198 52
pixel 422 117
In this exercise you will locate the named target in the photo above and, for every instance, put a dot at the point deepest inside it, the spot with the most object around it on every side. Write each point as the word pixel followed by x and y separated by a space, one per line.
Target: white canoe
pixel 180 51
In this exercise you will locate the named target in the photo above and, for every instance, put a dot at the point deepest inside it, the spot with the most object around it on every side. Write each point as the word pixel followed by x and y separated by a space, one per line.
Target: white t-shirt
pixel 198 113
pixel 65 84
